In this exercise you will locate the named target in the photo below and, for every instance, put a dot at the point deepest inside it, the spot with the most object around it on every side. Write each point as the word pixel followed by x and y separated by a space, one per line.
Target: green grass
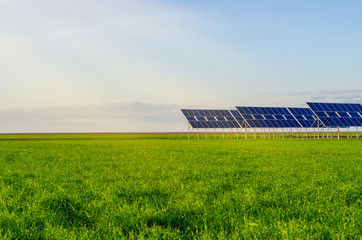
pixel 159 186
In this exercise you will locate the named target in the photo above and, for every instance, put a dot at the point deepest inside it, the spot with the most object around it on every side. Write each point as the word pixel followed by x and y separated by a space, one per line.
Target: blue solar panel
pixel 338 114
pixel 248 117
pixel 268 117
pixel 305 117
pixel 239 118
pixel 258 117
pixel 206 118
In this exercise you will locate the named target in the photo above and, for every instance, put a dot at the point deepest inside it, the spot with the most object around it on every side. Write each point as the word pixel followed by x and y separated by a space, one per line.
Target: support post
pixel 188 131
pixel 323 133
pixel 357 132
pixel 338 132
pixel 264 133
pixel 347 132
pixel 318 130
pixel 273 133
pixel 314 133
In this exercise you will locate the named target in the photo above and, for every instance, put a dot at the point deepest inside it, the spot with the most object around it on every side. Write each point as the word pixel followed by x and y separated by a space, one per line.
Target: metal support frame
pixel 324 132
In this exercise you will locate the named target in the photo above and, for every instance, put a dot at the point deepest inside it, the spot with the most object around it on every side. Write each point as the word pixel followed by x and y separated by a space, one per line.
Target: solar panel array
pixel 268 117
pixel 305 117
pixel 205 118
pixel 338 114
pixel 331 115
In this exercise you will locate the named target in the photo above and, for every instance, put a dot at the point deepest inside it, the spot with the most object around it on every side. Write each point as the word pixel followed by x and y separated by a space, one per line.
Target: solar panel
pixel 206 118
pixel 239 118
pixel 305 117
pixel 268 117
pixel 338 114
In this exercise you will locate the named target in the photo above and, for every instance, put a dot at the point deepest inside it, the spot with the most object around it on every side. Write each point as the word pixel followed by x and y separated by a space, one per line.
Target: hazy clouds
pixel 110 117
pixel 138 116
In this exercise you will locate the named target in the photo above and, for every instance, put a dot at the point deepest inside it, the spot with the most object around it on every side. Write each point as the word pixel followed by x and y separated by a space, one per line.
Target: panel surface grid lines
pixel 335 115
pixel 268 117
pixel 237 116
pixel 210 118
pixel 304 116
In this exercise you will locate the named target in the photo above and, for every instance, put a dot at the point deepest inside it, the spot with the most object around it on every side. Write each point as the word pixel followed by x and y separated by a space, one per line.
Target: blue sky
pixel 112 65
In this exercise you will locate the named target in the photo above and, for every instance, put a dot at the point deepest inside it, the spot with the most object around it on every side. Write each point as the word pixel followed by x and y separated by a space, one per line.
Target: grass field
pixel 160 186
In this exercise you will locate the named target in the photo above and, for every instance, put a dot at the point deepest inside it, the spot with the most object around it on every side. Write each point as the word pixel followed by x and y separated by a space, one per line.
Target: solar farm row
pixel 331 115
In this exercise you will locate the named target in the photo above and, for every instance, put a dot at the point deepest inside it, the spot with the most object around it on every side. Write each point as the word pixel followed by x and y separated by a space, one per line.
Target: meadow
pixel 168 187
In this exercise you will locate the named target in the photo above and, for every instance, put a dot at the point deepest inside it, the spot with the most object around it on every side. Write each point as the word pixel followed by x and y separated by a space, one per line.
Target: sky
pixel 128 66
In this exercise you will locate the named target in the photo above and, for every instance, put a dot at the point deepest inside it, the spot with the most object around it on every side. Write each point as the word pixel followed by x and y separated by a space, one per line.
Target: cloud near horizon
pixel 341 91
pixel 327 95
pixel 108 117
pixel 138 116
